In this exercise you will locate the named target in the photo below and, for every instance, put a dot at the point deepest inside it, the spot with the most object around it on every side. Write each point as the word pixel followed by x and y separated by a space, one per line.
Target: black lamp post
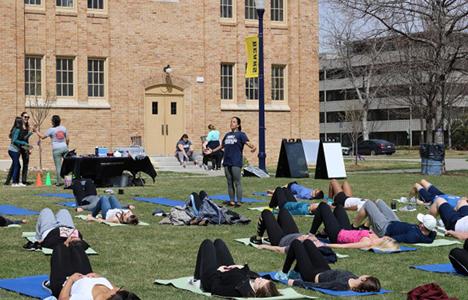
pixel 260 6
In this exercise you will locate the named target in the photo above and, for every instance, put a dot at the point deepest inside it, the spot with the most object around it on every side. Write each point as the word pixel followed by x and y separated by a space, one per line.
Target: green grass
pixel 134 257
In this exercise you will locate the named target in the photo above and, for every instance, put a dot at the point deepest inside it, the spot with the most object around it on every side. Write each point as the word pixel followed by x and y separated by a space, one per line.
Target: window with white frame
pixel 95 4
pixel 277 10
pixel 96 75
pixel 250 10
pixel 64 77
pixel 64 3
pixel 277 82
pixel 33 76
pixel 226 9
pixel 251 87
pixel 227 81
pixel 32 2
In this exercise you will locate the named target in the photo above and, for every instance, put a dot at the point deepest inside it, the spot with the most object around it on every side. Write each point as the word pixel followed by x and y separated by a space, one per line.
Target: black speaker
pixel 252 171
pixel 292 162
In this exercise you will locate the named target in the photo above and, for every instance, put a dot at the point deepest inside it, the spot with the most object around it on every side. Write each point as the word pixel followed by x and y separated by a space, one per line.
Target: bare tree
pixel 40 109
pixel 435 27
pixel 352 119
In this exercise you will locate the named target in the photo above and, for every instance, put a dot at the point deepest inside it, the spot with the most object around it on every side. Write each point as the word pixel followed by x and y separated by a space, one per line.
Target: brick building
pixel 102 63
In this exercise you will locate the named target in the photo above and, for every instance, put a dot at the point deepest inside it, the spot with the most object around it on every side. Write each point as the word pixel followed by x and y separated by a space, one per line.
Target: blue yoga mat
pixel 226 198
pixel 402 249
pixel 57 195
pixel 437 268
pixel 270 275
pixel 262 194
pixel 16 211
pixel 67 204
pixel 27 286
pixel 161 201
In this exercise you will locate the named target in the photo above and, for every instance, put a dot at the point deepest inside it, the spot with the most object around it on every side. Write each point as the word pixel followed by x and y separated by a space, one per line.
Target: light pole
pixel 260 6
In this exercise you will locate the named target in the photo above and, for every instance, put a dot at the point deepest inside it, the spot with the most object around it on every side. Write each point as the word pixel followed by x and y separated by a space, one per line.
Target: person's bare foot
pixel 24 221
pixel 79 209
pixel 463 201
pixel 131 206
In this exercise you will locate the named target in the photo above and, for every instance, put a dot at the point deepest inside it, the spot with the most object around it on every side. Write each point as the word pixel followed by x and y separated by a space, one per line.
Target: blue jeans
pixel 15 165
pixel 105 203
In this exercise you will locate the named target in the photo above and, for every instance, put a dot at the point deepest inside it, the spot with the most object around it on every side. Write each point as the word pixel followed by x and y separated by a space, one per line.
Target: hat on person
pixel 428 221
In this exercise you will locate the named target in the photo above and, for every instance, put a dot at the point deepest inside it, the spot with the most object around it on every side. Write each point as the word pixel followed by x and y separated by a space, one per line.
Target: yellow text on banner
pixel 251 47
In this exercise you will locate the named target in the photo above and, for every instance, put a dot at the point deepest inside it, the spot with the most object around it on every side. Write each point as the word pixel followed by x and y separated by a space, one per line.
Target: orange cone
pixel 38 179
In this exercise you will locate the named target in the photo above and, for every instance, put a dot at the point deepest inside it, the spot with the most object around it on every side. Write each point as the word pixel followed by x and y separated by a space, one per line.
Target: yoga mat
pixel 13 226
pixel 16 211
pixel 183 283
pixel 437 268
pixel 161 201
pixel 57 195
pixel 438 243
pixel 31 236
pixel 28 286
pixel 271 275
pixel 67 204
pixel 84 217
pixel 247 242
pixel 402 249
pixel 226 198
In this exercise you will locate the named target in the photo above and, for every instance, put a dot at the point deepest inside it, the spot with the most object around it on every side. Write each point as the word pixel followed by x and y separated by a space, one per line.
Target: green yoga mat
pixel 247 242
pixel 12 226
pixel 31 236
pixel 84 217
pixel 439 243
pixel 183 283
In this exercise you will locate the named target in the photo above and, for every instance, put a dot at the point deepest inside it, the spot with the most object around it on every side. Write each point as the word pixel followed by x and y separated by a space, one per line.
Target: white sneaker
pixel 194 282
pixel 21 184
pixel 15 185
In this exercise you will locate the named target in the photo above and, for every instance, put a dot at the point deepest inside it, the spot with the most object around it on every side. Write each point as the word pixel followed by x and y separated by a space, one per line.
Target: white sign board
pixel 311 148
pixel 334 160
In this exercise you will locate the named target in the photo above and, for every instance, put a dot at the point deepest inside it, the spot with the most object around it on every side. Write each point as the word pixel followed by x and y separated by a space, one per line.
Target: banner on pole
pixel 251 47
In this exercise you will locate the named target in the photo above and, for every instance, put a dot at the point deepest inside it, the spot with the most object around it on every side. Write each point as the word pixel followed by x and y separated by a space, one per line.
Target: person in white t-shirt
pixel 343 194
pixel 112 211
pixel 455 219
pixel 72 278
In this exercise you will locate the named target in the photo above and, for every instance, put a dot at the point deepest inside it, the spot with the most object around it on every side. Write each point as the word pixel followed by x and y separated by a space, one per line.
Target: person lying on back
pixel 301 192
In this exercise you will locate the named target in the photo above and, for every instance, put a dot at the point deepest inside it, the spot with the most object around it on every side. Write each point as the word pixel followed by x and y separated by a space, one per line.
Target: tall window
pixel 227 81
pixel 277 10
pixel 250 10
pixel 96 4
pixel 277 82
pixel 96 77
pixel 64 3
pixel 32 2
pixel 251 88
pixel 226 8
pixel 64 76
pixel 32 76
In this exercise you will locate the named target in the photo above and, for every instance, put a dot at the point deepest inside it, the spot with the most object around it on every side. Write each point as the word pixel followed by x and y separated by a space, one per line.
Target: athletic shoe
pixel 46 286
pixel 21 184
pixel 203 222
pixel 408 207
pixel 32 246
pixel 194 282
pixel 238 204
pixel 255 240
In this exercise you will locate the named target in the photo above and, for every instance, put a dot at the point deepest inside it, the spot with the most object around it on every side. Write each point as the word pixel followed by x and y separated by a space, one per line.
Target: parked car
pixel 375 147
pixel 346 150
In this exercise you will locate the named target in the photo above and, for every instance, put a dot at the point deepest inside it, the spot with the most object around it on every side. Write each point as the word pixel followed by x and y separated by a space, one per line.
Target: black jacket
pixel 233 283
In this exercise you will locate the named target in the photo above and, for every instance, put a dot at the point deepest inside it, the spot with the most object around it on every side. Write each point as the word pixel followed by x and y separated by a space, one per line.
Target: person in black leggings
pixel 333 222
pixel 458 256
pixel 6 222
pixel 315 271
pixel 219 275
pixel 284 198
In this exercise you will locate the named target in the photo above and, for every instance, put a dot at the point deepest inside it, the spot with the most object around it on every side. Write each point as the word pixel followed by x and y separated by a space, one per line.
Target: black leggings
pixel 309 260
pixel 459 259
pixel 333 222
pixel 276 228
pixel 64 262
pixel 211 255
pixel 280 197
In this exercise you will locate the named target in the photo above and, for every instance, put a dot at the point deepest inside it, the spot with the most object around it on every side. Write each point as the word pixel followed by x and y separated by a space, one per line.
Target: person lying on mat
pixel 459 257
pixel 315 271
pixel 385 222
pixel 111 211
pixel 455 219
pixel 53 230
pixel 343 194
pixel 301 191
pixel 282 232
pixel 6 222
pixel 284 199
pixel 427 192
pixel 71 277
pixel 86 196
pixel 219 275
pixel 343 235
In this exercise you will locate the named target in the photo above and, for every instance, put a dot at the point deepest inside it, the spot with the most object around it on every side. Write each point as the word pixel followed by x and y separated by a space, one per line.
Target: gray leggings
pixel 233 177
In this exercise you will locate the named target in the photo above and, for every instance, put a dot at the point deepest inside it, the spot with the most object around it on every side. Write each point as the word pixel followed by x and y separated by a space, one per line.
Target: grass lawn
pixel 134 256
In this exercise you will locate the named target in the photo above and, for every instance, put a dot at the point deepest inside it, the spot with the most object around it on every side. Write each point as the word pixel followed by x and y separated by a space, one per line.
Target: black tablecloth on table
pixel 101 169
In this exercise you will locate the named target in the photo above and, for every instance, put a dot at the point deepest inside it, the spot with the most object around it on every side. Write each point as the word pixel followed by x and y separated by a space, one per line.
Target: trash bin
pixel 432 158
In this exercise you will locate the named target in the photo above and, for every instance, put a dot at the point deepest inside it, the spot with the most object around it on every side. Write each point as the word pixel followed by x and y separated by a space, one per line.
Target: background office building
pixel 102 63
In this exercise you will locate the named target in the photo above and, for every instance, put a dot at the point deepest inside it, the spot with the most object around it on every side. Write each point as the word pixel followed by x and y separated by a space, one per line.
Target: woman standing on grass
pixel 14 150
pixel 233 145
pixel 60 141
